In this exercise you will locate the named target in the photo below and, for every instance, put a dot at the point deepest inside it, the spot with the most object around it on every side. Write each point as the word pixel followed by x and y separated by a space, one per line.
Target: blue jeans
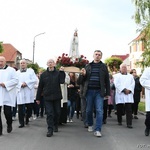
pixel 94 100
pixel 70 109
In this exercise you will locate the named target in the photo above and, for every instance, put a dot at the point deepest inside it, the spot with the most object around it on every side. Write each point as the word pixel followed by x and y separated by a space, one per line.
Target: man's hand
pixel 61 68
pixel 126 91
pixel 2 84
pixel 83 72
pixel 23 85
pixel 38 102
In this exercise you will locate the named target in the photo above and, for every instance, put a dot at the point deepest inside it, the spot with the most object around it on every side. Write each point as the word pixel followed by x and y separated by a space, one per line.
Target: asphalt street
pixel 73 136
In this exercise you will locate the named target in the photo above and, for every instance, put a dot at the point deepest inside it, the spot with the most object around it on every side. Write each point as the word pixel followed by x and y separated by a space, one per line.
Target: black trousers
pixel 105 106
pixel 63 115
pixel 83 110
pixel 147 120
pixel 24 110
pixel 127 107
pixel 135 108
pixel 53 108
pixel 8 116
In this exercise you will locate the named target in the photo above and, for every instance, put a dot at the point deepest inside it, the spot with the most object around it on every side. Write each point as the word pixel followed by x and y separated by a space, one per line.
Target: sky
pixel 106 25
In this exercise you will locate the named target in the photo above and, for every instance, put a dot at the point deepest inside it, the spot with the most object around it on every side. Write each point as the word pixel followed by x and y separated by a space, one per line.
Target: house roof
pixel 139 37
pixel 9 52
pixel 122 57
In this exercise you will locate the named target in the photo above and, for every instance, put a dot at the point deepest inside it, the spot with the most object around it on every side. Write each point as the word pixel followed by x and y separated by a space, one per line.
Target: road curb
pixel 142 113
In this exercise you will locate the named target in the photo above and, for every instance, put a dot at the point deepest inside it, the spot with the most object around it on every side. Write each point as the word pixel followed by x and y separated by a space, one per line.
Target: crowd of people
pixel 93 92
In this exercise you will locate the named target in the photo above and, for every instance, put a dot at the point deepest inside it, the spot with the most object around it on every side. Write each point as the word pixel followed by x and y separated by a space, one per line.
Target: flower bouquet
pixel 71 65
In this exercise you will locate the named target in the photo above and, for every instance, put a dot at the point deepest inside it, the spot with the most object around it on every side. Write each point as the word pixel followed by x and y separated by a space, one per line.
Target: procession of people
pixel 96 89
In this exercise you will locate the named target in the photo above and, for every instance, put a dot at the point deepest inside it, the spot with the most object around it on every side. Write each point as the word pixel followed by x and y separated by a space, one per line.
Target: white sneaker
pixel 34 117
pixel 13 118
pixel 97 134
pixel 71 120
pixel 68 120
pixel 90 128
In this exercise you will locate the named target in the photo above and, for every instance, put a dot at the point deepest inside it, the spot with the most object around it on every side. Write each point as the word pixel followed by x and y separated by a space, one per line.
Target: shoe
pixel 71 120
pixel 135 117
pixel 55 129
pixel 119 123
pixel 85 126
pixel 27 121
pixel 104 122
pixel 1 132
pixel 147 132
pixel 68 120
pixel 21 126
pixel 129 126
pixel 9 128
pixel 13 118
pixel 90 128
pixel 97 134
pixel 49 134
pixel 109 116
pixel 34 117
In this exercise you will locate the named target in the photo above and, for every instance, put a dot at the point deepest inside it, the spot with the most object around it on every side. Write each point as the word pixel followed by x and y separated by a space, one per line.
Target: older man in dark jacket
pixel 95 78
pixel 49 85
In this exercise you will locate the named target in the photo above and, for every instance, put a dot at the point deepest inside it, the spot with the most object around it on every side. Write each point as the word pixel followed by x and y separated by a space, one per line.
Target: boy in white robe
pixel 145 82
pixel 124 84
pixel 8 82
pixel 25 91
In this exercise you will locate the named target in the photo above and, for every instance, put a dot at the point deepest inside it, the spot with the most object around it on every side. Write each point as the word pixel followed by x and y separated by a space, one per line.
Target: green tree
pixel 35 67
pixel 1 47
pixel 142 19
pixel 142 11
pixel 113 63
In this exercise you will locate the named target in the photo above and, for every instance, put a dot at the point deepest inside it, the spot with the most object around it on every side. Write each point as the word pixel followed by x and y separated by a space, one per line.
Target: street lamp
pixel 34 44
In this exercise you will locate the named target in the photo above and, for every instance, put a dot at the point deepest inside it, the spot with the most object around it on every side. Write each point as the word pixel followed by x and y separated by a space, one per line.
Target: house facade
pixel 136 48
pixel 12 55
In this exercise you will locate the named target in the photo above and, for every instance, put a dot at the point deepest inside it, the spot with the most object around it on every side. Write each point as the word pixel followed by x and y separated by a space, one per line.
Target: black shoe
pixel 9 128
pixel 49 134
pixel 104 122
pixel 55 129
pixel 135 117
pixel 129 126
pixel 27 121
pixel 85 126
pixel 21 126
pixel 147 132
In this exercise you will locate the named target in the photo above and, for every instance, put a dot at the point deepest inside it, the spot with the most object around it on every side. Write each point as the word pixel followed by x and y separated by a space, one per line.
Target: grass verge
pixel 142 106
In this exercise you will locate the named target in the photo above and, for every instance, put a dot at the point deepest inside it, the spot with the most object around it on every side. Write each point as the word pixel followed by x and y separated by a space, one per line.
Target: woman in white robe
pixel 145 82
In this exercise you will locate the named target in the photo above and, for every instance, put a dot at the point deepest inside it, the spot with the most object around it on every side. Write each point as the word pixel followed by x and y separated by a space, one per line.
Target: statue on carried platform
pixel 74 51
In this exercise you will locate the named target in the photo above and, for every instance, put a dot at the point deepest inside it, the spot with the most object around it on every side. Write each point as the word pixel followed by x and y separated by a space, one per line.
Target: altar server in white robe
pixel 25 92
pixel 8 82
pixel 124 84
pixel 145 82
pixel 64 100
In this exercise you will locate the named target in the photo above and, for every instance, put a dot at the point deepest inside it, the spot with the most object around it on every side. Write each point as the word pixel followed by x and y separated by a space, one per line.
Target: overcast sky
pixel 101 24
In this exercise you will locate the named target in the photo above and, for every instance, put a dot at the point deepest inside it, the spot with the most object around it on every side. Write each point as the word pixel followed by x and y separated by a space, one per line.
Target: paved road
pixel 73 136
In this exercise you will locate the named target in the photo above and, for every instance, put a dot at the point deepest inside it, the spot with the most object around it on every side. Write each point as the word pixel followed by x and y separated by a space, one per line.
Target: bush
pixel 142 106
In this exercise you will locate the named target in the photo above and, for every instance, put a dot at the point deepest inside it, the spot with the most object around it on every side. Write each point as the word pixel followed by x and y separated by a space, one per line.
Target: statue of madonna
pixel 74 51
